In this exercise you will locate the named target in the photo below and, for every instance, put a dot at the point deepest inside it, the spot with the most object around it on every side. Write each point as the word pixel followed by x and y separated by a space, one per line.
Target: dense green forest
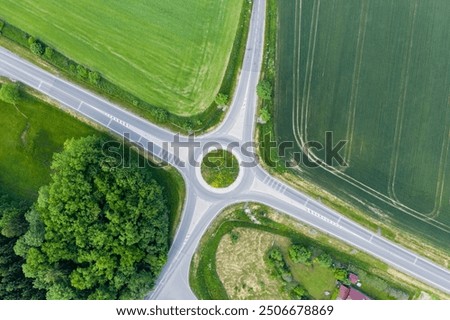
pixel 84 236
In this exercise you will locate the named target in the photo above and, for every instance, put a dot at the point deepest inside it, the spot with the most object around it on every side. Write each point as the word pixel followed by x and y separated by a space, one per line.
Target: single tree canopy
pixel 264 90
pixel 9 92
pixel 94 77
pixel 48 53
pixel 265 115
pixel 99 231
pixel 341 274
pixel 37 48
pixel 325 260
pixel 299 254
pixel 221 99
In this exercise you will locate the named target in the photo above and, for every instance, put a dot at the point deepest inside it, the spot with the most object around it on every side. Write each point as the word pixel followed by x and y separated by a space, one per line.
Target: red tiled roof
pixel 357 295
pixel 346 293
pixel 343 292
pixel 353 278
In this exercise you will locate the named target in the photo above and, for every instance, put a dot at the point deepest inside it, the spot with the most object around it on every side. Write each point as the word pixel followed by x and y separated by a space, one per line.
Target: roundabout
pixel 218 187
pixel 219 170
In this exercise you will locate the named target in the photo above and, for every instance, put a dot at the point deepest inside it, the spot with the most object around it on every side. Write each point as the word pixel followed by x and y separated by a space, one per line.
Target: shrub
pixel 299 254
pixel 341 274
pixel 94 77
pixel 2 24
pixel 82 72
pixel 264 90
pixel 37 48
pixel 162 116
pixel 234 237
pixel 221 99
pixel 265 115
pixel 72 68
pixel 187 125
pixel 48 53
pixel 31 40
pixel 298 292
pixel 9 93
pixel 325 260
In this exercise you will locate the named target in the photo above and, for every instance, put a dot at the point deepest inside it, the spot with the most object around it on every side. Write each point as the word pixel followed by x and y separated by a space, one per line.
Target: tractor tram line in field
pixel 302 109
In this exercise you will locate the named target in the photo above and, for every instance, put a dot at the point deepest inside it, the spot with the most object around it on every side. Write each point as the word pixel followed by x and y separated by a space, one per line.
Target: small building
pixel 349 293
pixel 353 278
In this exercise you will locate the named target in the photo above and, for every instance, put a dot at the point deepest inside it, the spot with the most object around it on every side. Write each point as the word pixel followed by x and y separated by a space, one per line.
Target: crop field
pixel 172 54
pixel 376 74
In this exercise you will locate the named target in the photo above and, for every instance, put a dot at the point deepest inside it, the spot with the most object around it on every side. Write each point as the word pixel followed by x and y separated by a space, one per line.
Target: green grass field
pixel 30 135
pixel 220 168
pixel 316 279
pixel 172 54
pixel 377 74
pixel 33 131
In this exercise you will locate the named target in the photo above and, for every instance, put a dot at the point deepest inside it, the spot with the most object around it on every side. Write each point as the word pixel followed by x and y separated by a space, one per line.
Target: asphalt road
pixel 202 202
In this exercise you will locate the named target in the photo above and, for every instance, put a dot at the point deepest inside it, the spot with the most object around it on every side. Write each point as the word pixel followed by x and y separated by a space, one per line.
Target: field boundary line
pixel 355 81
pixel 401 112
pixel 311 68
pixel 296 63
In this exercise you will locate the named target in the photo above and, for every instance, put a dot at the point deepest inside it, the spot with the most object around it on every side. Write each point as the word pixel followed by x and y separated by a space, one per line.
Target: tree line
pixel 97 231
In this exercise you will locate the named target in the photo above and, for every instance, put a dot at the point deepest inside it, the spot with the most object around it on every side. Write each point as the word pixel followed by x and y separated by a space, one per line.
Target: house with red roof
pixel 349 293
pixel 353 278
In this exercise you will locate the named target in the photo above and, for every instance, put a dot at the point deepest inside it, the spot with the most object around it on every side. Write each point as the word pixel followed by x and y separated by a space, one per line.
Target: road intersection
pixel 204 203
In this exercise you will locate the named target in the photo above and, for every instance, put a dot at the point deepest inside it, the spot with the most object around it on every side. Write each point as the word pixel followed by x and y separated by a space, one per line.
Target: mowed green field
pixel 30 134
pixel 377 74
pixel 172 54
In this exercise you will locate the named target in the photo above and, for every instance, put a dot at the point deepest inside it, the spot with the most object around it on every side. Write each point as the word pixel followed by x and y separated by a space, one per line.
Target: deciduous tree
pixel 264 90
pixel 37 48
pixel 99 231
pixel 221 99
pixel 299 254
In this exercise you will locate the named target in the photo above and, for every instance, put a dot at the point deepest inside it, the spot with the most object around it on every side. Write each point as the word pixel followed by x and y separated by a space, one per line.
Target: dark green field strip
pixel 376 73
pixel 331 69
